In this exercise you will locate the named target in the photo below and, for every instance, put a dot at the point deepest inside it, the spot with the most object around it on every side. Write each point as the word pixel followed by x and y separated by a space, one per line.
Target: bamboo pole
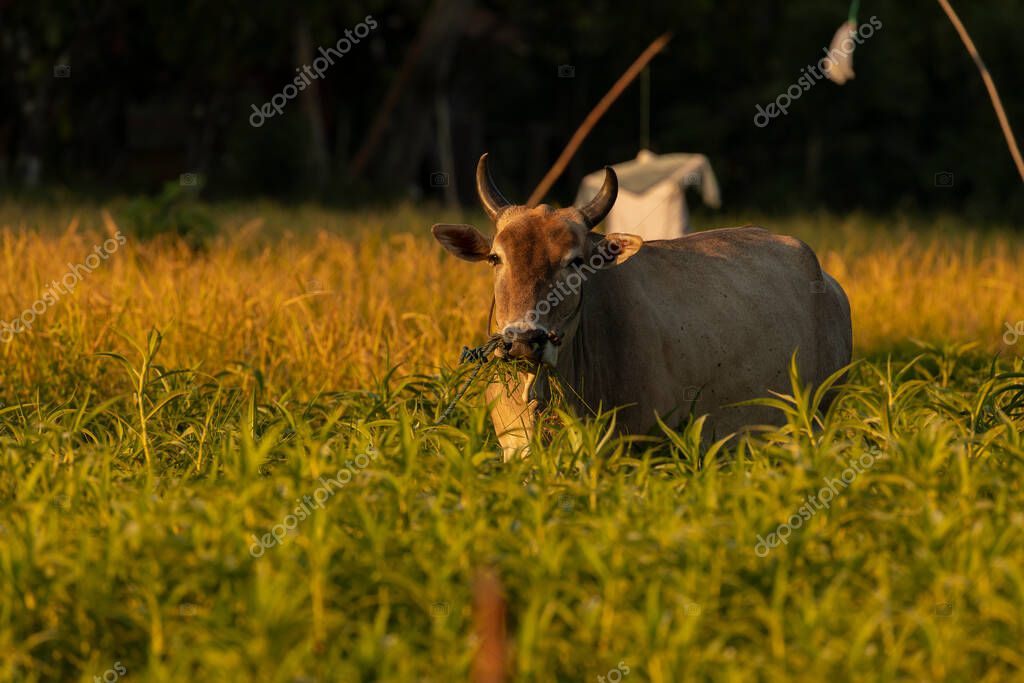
pixel 595 115
pixel 1011 142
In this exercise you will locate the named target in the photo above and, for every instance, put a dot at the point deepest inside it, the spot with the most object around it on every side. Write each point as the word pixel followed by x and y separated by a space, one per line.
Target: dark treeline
pixel 122 97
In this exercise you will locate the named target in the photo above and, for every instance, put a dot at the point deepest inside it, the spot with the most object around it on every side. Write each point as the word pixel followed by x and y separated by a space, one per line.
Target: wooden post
pixel 595 115
pixel 490 664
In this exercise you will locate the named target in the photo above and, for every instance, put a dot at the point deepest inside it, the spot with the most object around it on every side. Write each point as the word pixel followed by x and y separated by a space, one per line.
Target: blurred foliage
pixel 174 212
pixel 917 107
pixel 134 511
pixel 137 470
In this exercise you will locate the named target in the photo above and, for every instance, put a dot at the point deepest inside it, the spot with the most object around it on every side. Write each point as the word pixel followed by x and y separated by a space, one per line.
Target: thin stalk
pixel 997 104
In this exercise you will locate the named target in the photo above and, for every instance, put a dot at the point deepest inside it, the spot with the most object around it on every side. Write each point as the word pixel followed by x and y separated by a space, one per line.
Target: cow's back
pixel 703 321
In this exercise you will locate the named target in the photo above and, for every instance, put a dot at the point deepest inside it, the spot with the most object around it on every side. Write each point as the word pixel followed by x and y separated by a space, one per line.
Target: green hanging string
pixel 854 7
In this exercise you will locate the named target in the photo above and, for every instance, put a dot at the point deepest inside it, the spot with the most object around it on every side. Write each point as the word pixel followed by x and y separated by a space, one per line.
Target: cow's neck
pixel 585 359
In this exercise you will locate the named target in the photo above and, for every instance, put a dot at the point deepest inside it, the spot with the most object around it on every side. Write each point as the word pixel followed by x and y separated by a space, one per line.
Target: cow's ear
pixel 464 241
pixel 616 248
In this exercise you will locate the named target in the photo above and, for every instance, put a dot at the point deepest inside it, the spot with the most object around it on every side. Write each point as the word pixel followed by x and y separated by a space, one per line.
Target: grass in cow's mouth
pixel 150 498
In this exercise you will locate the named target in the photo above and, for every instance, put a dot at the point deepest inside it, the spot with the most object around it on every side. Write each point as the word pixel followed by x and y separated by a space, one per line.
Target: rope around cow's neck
pixel 482 353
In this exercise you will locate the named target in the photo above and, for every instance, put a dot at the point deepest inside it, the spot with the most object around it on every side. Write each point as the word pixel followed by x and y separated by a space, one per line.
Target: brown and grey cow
pixel 661 328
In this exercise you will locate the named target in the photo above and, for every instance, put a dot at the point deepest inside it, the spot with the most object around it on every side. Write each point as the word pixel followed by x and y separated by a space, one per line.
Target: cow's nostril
pixel 534 338
pixel 525 336
pixel 525 344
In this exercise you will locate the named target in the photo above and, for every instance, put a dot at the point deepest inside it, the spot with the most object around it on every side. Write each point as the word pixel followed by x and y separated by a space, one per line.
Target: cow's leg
pixel 513 412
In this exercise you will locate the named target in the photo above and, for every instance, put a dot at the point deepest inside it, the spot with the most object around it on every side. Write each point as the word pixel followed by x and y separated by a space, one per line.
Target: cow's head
pixel 541 258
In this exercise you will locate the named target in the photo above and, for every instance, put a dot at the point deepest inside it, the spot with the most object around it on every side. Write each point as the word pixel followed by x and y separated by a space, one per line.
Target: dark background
pixel 154 90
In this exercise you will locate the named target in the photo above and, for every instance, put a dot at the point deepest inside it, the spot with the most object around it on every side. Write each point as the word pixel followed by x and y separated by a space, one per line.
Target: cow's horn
pixel 601 204
pixel 491 198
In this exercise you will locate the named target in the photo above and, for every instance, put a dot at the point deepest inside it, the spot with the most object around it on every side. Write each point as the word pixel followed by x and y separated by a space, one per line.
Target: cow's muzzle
pixel 520 344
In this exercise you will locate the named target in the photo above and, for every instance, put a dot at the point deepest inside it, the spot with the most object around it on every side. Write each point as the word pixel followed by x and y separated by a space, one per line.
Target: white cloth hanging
pixel 652 193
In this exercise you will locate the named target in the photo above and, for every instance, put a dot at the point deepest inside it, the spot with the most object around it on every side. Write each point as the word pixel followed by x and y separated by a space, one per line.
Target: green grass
pixel 136 470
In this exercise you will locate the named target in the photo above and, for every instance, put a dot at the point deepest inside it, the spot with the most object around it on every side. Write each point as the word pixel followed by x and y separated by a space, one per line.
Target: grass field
pixel 164 418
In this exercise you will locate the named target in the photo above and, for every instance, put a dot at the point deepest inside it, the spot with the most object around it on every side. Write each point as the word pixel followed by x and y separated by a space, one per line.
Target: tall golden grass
pixel 322 301
pixel 134 490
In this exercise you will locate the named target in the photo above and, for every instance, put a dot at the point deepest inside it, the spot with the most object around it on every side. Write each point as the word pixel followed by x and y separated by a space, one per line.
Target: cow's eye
pixel 493 259
pixel 576 262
